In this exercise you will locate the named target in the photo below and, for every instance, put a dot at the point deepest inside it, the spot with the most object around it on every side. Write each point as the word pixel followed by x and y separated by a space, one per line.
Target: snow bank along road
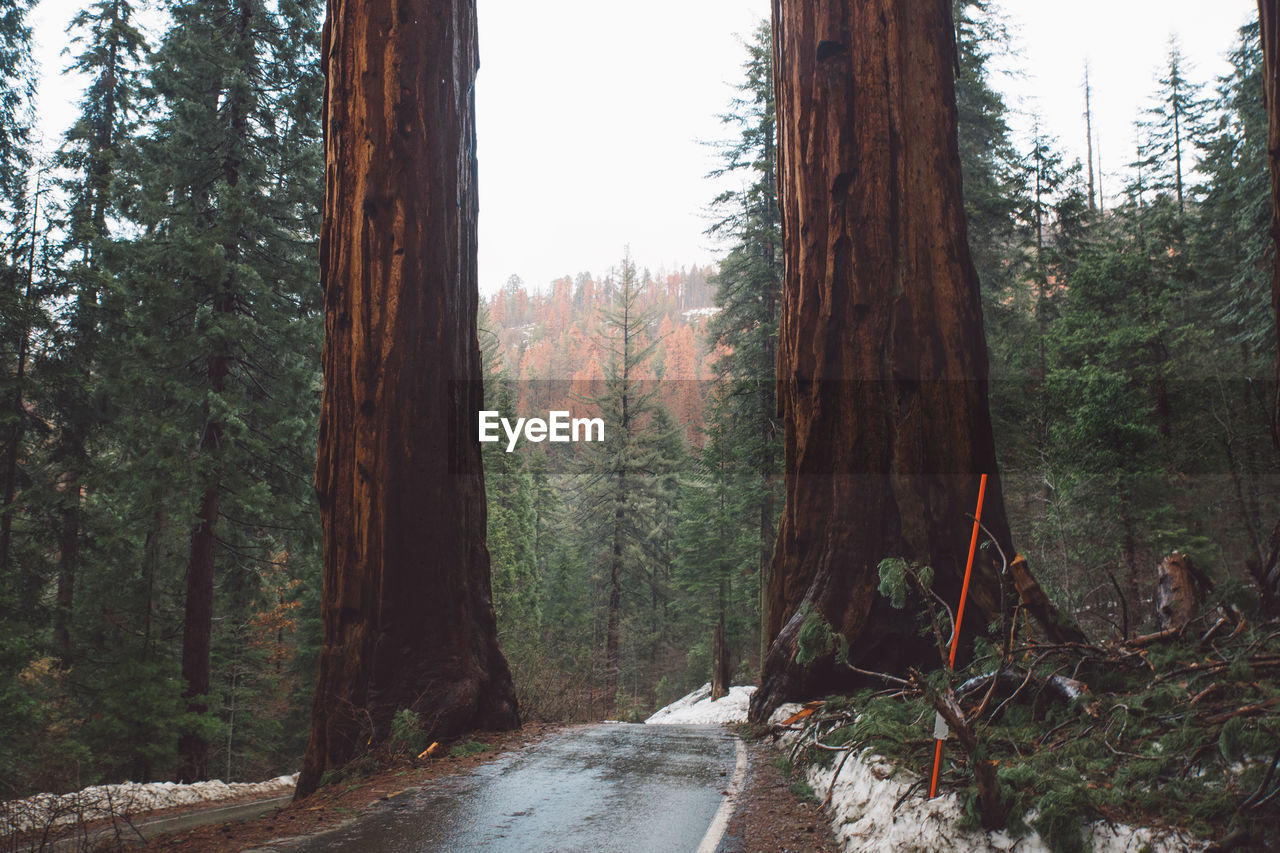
pixel 610 786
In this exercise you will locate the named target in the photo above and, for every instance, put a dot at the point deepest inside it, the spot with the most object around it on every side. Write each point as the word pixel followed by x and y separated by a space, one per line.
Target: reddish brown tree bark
pixel 1268 574
pixel 720 676
pixel 882 361
pixel 408 616
pixel 1269 21
pixel 1178 591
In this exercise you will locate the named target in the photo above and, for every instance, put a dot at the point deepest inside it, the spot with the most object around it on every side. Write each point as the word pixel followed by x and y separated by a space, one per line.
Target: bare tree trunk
pixel 719 662
pixel 882 362
pixel 18 411
pixel 1088 136
pixel 1269 19
pixel 9 489
pixel 68 564
pixel 1129 553
pixel 197 627
pixel 408 612
pixel 614 615
pixel 769 411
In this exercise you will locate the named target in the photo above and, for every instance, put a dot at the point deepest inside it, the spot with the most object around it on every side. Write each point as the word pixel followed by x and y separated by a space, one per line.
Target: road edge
pixel 715 832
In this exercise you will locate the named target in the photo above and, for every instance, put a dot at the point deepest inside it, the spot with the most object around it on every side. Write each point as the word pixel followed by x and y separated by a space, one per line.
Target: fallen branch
pixel 1256 798
pixel 1066 689
pixel 1243 712
pixel 826 801
pixel 1212 688
pixel 1261 662
pixel 1057 627
pixel 892 679
pixel 984 769
pixel 1208 635
pixel 1148 639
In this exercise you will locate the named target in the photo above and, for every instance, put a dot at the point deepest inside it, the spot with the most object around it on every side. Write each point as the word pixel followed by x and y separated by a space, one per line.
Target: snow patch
pixel 127 798
pixel 697 709
pixel 866 816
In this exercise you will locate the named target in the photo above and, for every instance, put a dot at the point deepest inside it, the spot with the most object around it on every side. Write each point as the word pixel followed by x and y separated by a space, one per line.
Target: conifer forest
pixel 246 528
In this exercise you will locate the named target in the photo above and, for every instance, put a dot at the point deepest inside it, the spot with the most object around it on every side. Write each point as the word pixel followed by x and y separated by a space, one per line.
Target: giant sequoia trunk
pixel 882 362
pixel 408 618
pixel 1268 575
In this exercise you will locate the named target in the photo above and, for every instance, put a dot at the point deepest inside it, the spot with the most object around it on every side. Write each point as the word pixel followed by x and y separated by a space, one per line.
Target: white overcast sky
pixel 591 113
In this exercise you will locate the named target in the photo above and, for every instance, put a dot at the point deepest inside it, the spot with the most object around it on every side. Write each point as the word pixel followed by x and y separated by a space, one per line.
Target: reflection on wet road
pixel 609 787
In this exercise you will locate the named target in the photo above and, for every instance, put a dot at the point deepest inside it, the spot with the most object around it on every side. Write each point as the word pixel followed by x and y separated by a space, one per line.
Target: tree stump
pixel 1178 592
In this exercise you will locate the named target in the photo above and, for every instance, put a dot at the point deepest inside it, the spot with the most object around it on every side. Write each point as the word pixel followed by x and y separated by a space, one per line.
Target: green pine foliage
pixel 1156 742
pixel 1174 126
pixel 513 513
pixel 994 185
pixel 717 553
pixel 745 434
pixel 1234 210
pixel 16 90
pixel 22 317
pixel 1129 350
pixel 221 302
pixel 625 494
pixel 188 196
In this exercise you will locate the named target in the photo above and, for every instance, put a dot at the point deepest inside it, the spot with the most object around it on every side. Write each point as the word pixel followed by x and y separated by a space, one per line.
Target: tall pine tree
pixel 623 485
pixel 749 296
pixel 224 306
pixel 111 48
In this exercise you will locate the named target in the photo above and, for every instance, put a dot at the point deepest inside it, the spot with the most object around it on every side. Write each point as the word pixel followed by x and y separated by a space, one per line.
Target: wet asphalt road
pixel 609 787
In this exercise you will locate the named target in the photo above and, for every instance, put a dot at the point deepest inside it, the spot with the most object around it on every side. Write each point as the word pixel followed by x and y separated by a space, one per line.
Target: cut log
pixel 1178 591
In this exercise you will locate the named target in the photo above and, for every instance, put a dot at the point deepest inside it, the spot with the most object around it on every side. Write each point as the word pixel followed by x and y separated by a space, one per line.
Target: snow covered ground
pixel 698 709
pixel 127 798
pixel 866 816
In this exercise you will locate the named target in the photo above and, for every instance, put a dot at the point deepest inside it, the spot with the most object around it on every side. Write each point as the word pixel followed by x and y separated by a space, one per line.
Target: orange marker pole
pixel 937 762
pixel 955 636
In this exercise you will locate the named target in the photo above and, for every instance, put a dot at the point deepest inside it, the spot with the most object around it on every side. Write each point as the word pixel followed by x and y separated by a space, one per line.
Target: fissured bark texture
pixel 1268 575
pixel 882 364
pixel 408 616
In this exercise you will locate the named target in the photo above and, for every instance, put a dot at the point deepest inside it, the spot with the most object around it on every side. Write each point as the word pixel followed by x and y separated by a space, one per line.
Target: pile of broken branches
pixel 1174 727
